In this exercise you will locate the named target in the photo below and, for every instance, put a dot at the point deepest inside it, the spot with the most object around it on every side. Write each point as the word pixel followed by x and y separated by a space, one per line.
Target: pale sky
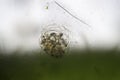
pixel 22 21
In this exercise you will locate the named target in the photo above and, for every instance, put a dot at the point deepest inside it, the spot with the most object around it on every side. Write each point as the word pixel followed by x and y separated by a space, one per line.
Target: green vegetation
pixel 96 65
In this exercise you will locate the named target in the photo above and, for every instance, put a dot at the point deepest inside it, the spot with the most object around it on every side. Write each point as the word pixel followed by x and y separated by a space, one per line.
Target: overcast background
pixel 33 16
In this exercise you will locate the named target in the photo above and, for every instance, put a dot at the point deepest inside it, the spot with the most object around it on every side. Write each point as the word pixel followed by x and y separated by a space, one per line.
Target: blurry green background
pixel 77 65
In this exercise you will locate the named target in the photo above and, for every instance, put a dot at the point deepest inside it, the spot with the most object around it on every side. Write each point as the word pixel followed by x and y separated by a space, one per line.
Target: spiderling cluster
pixel 54 44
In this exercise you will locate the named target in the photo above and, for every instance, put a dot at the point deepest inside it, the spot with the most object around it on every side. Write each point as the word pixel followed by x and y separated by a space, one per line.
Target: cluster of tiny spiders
pixel 54 44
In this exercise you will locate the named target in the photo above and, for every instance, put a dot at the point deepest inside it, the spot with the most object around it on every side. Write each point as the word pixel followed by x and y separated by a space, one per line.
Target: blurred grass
pixel 83 65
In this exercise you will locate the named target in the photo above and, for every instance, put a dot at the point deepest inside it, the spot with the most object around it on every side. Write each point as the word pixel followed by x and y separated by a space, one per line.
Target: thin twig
pixel 71 14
